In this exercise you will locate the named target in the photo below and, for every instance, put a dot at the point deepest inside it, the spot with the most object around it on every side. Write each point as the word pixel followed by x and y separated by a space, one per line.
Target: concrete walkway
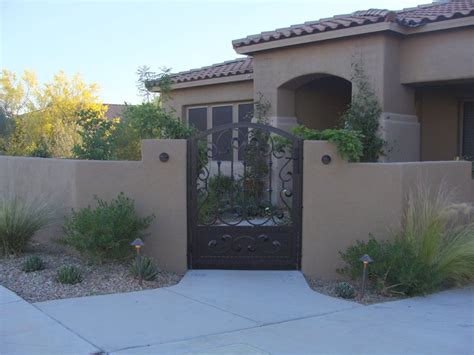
pixel 24 329
pixel 239 312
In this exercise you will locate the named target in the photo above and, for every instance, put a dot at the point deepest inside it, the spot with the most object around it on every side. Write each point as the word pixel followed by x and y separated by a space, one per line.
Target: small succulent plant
pixel 148 269
pixel 69 275
pixel 33 263
pixel 345 290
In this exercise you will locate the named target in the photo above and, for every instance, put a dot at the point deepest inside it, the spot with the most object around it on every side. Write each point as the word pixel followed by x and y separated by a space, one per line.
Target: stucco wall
pixel 344 202
pixel 438 56
pixel 439 107
pixel 212 94
pixel 156 187
pixel 319 103
pixel 379 54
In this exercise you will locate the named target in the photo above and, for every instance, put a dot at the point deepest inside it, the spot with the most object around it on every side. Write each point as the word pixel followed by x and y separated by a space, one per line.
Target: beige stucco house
pixel 420 62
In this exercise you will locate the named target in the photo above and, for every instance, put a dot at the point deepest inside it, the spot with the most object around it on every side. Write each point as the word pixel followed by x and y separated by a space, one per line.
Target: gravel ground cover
pixel 371 295
pixel 41 285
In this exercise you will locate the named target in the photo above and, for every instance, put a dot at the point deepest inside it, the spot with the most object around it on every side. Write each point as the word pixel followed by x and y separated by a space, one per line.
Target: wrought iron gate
pixel 244 198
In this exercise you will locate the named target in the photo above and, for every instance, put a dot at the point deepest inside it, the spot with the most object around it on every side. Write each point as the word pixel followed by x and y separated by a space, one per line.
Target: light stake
pixel 366 260
pixel 138 244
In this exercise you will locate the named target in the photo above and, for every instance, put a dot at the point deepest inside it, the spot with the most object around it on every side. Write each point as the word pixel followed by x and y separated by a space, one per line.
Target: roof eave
pixel 355 31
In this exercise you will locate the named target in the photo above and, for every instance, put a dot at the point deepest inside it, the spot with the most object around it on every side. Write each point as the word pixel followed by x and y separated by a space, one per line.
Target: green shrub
pixel 33 263
pixel 70 275
pixel 20 219
pixel 396 267
pixel 344 290
pixel 348 142
pixel 217 196
pixel 433 249
pixel 147 268
pixel 231 198
pixel 106 231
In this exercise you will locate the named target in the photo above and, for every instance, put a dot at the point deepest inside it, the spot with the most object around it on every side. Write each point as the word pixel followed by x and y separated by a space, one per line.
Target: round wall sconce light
pixel 164 157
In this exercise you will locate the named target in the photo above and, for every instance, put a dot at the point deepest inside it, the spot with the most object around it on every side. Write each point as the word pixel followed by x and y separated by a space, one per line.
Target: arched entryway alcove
pixel 315 100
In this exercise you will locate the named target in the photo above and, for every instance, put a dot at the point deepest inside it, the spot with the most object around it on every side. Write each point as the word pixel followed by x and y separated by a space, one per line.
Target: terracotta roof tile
pixel 228 68
pixel 413 17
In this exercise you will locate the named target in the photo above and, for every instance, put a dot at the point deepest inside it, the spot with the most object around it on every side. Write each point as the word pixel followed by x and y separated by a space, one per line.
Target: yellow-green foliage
pixel 44 115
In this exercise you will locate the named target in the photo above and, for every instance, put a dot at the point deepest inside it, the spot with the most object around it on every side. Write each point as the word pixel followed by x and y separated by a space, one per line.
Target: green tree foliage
pixel 6 127
pixel 97 133
pixel 148 78
pixel 146 121
pixel 363 115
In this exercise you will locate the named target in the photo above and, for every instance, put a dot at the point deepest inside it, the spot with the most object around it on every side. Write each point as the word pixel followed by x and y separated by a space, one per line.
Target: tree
pixel 97 133
pixel 363 115
pixel 146 76
pixel 16 93
pixel 146 121
pixel 43 116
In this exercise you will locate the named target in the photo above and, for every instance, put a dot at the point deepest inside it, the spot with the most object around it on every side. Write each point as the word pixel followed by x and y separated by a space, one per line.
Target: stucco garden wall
pixel 344 202
pixel 156 187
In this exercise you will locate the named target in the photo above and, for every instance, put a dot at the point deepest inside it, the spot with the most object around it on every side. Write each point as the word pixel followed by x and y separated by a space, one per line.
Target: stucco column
pixel 402 134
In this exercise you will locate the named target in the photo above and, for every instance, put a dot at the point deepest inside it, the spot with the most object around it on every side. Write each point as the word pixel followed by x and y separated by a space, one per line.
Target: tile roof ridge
pixel 424 6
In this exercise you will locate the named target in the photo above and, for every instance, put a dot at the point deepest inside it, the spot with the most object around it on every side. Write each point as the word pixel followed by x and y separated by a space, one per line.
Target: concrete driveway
pixel 238 312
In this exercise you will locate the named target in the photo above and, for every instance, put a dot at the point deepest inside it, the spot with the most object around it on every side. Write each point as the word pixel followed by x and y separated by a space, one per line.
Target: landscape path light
pixel 366 260
pixel 138 244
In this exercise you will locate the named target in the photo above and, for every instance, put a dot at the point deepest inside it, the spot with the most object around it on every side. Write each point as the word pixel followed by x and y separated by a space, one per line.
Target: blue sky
pixel 106 41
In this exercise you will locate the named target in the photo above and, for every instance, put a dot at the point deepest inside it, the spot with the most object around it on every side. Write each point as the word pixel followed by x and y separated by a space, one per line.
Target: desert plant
pixel 70 275
pixel 442 233
pixel 433 249
pixel 20 219
pixel 147 269
pixel 106 231
pixel 344 290
pixel 33 263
